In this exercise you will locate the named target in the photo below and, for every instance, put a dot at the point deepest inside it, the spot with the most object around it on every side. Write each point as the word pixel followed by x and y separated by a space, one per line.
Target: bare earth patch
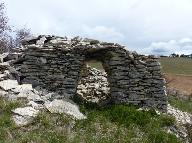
pixel 182 83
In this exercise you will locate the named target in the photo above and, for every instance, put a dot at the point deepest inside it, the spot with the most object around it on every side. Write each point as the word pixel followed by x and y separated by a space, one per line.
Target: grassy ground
pixel 95 64
pixel 176 65
pixel 178 73
pixel 115 124
pixel 183 105
pixel 180 82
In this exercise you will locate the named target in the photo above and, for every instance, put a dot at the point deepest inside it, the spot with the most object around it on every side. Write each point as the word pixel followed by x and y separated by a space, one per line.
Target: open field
pixel 183 105
pixel 95 64
pixel 178 73
pixel 181 66
pixel 180 82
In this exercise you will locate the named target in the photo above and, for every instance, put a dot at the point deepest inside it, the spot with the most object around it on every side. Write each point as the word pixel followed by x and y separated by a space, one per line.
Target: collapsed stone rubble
pixel 181 117
pixel 184 120
pixel 93 86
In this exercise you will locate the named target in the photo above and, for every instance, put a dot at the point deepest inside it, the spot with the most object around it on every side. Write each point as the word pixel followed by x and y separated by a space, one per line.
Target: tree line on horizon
pixel 10 37
pixel 178 55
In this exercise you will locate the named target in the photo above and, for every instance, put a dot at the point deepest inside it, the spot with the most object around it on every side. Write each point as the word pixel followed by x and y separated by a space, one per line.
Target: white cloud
pixel 103 33
pixel 134 23
pixel 181 46
pixel 185 40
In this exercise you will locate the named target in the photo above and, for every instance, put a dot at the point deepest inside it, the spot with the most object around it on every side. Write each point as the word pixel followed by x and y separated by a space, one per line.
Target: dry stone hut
pixel 55 63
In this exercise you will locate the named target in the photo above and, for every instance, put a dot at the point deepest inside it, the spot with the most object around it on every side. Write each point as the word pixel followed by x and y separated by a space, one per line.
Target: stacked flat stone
pixel 55 64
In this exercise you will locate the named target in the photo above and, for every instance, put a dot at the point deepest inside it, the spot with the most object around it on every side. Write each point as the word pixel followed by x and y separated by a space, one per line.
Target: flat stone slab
pixel 30 95
pixel 61 106
pixel 26 111
pixel 8 84
pixel 22 88
pixel 35 105
pixel 24 116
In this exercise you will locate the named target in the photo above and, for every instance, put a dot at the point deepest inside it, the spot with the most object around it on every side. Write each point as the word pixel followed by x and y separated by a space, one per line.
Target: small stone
pixel 30 95
pixel 35 105
pixel 22 120
pixel 2 56
pixel 11 97
pixel 3 93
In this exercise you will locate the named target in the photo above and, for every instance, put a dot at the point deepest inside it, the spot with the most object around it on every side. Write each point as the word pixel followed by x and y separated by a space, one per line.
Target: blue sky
pixel 146 26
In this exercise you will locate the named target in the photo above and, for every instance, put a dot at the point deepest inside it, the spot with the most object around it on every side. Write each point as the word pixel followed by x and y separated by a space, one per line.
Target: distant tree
pixel 7 40
pixel 22 34
pixel 185 56
pixel 163 56
pixel 4 27
pixel 4 30
pixel 190 56
pixel 173 55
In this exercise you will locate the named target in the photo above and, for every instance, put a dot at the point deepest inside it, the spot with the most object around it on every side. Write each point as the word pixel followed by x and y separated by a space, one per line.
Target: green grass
pixel 117 123
pixel 126 124
pixel 6 123
pixel 95 64
pixel 176 65
pixel 183 105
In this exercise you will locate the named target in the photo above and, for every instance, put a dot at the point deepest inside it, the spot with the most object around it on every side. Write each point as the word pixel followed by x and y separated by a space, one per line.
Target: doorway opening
pixel 93 85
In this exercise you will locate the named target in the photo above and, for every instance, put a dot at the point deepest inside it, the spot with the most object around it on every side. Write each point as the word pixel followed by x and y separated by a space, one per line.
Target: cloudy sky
pixel 147 26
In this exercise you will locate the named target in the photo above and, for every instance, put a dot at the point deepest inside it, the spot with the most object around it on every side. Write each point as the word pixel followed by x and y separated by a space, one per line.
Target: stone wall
pixel 55 64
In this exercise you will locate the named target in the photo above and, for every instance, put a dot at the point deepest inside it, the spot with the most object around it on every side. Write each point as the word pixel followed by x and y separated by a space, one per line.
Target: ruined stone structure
pixel 55 63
